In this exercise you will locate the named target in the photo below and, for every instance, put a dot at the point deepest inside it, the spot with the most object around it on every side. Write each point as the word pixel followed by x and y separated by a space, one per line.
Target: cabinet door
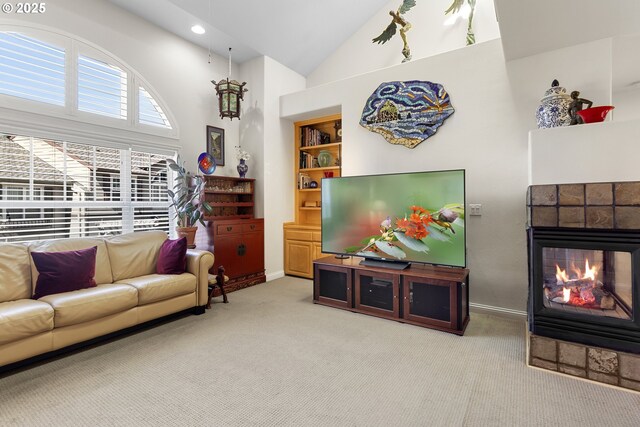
pixel 377 293
pixel 251 253
pixel 431 301
pixel 297 258
pixel 225 254
pixel 332 285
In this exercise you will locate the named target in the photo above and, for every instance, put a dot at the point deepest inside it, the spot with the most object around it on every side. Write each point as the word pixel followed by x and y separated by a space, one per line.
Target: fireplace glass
pixel 592 282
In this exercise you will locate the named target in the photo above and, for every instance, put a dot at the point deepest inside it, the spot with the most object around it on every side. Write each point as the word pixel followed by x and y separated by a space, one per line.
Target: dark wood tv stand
pixel 422 295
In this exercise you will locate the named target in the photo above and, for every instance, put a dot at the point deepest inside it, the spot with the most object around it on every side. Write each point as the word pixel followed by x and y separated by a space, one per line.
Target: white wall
pixel 597 152
pixel 428 36
pixel 279 178
pixel 175 68
pixel 495 105
pixel 268 139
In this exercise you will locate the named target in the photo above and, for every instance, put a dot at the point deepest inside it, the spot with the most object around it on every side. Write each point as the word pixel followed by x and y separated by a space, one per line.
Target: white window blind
pixel 102 88
pixel 149 111
pixel 53 189
pixel 31 69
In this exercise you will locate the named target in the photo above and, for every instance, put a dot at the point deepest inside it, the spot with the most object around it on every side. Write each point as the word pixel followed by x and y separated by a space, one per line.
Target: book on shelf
pixel 303 180
pixel 311 137
pixel 308 161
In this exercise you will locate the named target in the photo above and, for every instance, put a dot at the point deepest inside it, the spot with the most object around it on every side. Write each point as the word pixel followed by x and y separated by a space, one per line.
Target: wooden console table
pixel 422 295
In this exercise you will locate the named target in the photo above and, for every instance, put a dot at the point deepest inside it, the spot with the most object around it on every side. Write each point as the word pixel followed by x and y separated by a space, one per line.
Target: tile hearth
pixel 597 364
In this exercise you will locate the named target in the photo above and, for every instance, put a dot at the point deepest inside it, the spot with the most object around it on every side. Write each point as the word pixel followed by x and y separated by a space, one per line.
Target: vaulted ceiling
pixel 297 33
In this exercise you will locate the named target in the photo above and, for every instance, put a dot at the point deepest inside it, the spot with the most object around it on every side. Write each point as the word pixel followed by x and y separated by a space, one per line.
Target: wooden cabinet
pixel 333 286
pixel 423 295
pixel 234 236
pixel 298 255
pixel 230 198
pixel 311 138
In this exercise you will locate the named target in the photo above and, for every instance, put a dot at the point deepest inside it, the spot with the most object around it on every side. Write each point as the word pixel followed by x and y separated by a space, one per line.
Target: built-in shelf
pixel 328 168
pixel 304 208
pixel 321 146
pixel 310 189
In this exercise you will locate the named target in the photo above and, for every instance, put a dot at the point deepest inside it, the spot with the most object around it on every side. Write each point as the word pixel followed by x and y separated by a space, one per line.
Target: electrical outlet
pixel 475 209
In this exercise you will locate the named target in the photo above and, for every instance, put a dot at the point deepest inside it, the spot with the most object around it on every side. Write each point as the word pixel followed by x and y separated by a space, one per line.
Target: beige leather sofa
pixel 129 292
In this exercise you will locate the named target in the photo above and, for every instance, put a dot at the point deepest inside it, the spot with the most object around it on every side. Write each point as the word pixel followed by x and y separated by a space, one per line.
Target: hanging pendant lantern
pixel 230 93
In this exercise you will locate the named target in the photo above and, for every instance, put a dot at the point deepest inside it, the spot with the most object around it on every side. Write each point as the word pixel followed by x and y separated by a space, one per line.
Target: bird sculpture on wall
pixel 405 26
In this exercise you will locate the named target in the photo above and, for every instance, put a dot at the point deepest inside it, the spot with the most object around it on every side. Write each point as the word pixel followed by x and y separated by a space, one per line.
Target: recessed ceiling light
pixel 198 29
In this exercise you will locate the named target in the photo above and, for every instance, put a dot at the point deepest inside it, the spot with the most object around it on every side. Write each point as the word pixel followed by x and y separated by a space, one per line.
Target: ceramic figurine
pixel 575 106
pixel 554 109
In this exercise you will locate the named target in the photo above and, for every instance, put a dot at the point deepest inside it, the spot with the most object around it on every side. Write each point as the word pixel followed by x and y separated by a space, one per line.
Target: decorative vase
pixel 189 233
pixel 554 109
pixel 243 168
pixel 595 114
pixel 324 158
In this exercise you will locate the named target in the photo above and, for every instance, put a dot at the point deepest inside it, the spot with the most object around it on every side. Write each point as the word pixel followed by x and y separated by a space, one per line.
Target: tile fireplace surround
pixel 584 281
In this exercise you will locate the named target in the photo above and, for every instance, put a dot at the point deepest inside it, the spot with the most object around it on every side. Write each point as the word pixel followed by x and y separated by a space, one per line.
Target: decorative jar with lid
pixel 554 109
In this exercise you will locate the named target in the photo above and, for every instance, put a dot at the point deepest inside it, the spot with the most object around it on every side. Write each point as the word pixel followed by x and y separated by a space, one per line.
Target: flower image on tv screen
pixel 411 217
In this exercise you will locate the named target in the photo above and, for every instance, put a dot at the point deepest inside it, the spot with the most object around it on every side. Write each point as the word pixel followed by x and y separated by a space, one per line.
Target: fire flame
pixel 566 294
pixel 590 273
pixel 561 275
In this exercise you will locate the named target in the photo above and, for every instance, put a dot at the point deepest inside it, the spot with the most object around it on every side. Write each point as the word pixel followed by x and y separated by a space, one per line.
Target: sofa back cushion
pixel 15 272
pixel 103 266
pixel 134 254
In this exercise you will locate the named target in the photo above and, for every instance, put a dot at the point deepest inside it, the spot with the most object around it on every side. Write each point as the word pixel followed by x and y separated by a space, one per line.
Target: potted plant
pixel 185 199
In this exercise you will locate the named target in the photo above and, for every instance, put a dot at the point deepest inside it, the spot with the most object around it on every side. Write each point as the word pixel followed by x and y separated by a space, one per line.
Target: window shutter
pixel 149 191
pixel 102 88
pixel 52 189
pixel 31 69
pixel 149 111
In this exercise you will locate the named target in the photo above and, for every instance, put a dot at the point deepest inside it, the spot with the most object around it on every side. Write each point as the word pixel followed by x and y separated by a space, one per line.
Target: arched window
pixel 83 141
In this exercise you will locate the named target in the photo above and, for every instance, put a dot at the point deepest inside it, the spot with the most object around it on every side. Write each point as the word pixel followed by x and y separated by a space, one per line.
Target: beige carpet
pixel 273 358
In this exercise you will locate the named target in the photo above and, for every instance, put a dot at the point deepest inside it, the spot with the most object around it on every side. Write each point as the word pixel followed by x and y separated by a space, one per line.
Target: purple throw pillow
pixel 173 257
pixel 64 271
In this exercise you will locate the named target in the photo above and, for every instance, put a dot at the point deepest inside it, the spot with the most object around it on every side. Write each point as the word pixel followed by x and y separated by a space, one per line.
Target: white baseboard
pixel 275 275
pixel 498 311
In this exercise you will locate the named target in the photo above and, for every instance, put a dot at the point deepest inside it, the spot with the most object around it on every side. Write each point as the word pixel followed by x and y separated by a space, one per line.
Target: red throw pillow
pixel 64 271
pixel 173 257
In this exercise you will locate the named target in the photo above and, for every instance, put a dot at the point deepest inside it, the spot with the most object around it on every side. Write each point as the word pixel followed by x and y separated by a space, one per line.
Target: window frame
pixel 74 47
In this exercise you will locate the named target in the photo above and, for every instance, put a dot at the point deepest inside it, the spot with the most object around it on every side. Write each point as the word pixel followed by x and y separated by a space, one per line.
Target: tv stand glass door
pixel 377 293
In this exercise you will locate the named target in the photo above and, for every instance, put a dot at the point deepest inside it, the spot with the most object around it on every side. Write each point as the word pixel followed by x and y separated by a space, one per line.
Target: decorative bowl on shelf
pixel 206 163
pixel 595 114
pixel 324 158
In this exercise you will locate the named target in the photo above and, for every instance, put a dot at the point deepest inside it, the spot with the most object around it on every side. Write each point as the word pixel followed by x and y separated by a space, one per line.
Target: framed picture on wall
pixel 215 144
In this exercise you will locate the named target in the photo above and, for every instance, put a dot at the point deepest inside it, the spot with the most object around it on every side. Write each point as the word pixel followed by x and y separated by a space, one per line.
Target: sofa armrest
pixel 198 264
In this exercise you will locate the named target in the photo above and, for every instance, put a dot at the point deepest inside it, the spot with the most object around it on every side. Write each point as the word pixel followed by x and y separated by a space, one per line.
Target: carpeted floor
pixel 273 358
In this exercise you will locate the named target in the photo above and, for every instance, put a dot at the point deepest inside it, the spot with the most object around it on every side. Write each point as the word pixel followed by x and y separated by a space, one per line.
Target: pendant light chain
pixel 229 75
pixel 210 35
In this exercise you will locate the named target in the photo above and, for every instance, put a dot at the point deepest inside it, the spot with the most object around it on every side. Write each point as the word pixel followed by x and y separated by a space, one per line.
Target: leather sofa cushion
pixel 103 267
pixel 24 318
pixel 85 305
pixel 134 254
pixel 158 287
pixel 15 272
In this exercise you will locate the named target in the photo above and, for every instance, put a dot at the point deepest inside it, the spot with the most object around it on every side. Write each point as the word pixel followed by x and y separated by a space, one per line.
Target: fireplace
pixel 584 271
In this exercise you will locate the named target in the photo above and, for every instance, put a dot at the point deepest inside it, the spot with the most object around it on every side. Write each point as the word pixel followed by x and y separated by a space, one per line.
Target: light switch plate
pixel 475 209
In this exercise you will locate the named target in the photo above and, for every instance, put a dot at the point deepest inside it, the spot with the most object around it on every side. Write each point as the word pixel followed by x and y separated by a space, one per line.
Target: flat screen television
pixel 397 218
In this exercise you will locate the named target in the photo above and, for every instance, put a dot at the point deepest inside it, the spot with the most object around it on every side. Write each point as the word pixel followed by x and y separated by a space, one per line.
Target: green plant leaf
pixel 411 243
pixel 367 254
pixel 390 249
pixel 367 240
pixel 436 234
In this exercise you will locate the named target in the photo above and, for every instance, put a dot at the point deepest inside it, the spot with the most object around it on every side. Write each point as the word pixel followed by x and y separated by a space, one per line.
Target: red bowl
pixel 595 114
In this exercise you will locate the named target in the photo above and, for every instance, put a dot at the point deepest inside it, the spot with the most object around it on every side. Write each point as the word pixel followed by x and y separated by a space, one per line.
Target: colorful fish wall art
pixel 406 113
